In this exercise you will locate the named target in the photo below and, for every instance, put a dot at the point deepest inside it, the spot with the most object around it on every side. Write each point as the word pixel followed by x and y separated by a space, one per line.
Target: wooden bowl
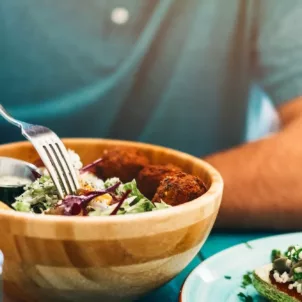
pixel 116 258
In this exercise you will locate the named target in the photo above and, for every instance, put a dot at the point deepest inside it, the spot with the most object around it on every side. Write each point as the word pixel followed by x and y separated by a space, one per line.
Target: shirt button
pixel 119 15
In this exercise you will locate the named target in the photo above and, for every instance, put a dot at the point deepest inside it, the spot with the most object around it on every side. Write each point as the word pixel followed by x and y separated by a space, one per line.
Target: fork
pixel 52 152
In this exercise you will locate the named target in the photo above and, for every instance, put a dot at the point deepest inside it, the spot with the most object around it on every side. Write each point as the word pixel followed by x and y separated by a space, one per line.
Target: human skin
pixel 263 179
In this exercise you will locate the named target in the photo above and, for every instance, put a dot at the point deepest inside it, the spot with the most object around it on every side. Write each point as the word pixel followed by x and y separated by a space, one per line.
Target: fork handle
pixel 9 118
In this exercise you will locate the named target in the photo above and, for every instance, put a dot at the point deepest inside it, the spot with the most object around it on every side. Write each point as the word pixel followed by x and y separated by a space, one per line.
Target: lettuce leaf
pixel 135 192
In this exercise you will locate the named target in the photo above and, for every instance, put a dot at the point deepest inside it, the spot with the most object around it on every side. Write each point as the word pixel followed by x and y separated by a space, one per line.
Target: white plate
pixel 208 283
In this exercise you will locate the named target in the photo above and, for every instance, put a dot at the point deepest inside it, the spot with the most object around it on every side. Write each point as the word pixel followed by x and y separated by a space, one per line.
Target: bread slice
pixel 264 286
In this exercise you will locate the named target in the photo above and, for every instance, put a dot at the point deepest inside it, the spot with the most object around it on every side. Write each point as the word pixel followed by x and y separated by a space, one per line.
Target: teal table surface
pixel 215 243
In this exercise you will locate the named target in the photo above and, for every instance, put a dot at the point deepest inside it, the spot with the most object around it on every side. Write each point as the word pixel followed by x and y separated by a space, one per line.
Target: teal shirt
pixel 176 73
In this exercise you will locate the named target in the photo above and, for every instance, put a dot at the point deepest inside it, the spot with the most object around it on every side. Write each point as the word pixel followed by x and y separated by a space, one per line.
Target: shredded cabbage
pixel 41 190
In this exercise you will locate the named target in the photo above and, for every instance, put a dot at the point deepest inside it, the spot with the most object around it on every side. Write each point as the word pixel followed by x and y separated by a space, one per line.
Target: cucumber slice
pixel 265 288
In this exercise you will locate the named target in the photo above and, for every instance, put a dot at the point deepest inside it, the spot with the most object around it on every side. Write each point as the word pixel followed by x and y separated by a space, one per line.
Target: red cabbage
pixel 120 202
pixel 108 190
pixel 89 166
pixel 74 204
pixel 36 174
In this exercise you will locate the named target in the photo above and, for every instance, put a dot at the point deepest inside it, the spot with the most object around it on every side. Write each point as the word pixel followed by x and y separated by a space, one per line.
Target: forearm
pixel 263 181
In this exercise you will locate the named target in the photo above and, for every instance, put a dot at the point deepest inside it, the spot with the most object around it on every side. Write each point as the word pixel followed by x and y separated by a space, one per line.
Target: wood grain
pixel 4 206
pixel 118 258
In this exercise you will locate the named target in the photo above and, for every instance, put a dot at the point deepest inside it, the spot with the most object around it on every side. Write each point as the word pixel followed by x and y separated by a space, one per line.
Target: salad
pixel 96 197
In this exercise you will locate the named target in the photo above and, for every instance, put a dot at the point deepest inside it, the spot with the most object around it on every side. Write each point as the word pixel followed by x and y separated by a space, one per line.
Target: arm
pixel 263 179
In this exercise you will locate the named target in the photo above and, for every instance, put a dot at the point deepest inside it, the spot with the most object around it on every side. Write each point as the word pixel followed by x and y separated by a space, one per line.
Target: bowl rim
pixel 214 191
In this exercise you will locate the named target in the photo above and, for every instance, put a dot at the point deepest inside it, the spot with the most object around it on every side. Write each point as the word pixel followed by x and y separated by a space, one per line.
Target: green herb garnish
pixel 228 277
pixel 247 280
pixel 248 245
pixel 275 255
pixel 297 276
pixel 245 298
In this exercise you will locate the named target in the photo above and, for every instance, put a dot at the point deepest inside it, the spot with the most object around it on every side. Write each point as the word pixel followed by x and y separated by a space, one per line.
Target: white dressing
pixel 7 180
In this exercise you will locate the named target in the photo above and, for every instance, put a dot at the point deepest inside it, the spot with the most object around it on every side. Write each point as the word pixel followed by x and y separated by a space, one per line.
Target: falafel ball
pixel 150 177
pixel 122 162
pixel 179 188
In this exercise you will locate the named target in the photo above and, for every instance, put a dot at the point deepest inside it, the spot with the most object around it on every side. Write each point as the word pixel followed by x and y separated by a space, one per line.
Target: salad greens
pixel 41 192
pixel 135 202
pixel 41 196
pixel 96 197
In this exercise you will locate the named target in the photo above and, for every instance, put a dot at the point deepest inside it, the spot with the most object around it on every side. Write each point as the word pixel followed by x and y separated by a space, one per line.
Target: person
pixel 170 72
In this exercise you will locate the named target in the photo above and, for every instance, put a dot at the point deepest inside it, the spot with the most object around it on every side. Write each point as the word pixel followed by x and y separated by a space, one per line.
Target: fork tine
pixel 65 156
pixel 56 163
pixel 50 168
pixel 65 168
